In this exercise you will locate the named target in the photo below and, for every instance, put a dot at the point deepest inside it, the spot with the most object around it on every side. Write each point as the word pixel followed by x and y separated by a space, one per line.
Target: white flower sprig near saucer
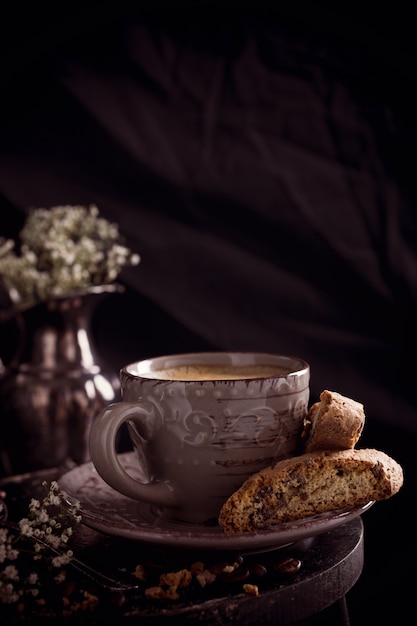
pixel 62 249
pixel 49 523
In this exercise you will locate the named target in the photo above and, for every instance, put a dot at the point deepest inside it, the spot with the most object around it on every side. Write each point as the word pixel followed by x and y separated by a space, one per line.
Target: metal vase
pixel 54 386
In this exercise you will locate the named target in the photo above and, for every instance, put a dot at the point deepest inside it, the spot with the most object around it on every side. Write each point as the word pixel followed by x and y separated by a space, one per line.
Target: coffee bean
pixel 257 569
pixel 239 574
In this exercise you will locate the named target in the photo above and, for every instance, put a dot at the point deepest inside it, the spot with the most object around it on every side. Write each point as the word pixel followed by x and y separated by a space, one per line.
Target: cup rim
pixel 297 366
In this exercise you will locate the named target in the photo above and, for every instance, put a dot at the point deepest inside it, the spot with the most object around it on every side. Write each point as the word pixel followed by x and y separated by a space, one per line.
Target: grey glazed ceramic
pixel 112 513
pixel 197 441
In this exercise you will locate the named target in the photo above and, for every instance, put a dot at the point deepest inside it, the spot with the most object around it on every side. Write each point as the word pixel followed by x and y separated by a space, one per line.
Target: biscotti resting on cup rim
pixel 310 484
pixel 334 423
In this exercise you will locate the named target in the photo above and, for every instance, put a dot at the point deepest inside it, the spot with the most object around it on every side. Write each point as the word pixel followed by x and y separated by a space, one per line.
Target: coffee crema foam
pixel 217 372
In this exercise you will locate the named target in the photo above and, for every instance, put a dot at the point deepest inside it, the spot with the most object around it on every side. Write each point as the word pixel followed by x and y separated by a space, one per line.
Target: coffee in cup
pixel 200 424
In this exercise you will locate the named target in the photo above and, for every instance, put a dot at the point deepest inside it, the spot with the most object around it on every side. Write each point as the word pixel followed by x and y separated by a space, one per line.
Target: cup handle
pixel 103 437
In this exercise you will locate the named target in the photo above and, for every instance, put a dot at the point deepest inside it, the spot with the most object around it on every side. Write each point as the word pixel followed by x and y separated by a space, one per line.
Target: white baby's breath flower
pixel 54 500
pixel 59 561
pixel 6 245
pixel 63 249
pixel 33 578
pixel 62 559
pixel 26 527
pixel 34 592
pixel 12 553
pixel 50 521
pixel 43 517
pixel 53 540
pixel 8 594
pixel 11 572
pixel 60 577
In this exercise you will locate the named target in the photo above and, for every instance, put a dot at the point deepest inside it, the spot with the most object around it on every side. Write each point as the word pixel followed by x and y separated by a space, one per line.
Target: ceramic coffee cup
pixel 200 424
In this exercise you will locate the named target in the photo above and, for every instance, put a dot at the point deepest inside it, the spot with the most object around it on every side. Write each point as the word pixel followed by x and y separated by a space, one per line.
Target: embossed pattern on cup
pixel 198 440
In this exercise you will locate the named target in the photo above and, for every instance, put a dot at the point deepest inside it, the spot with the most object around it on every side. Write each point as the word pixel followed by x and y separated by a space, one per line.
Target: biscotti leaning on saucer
pixel 334 423
pixel 309 484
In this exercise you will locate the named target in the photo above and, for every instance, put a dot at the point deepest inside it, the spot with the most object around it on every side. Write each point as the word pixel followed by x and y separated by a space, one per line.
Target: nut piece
pixel 288 566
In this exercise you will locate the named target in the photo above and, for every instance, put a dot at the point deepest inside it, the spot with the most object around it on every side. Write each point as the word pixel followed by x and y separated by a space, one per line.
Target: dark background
pixel 261 162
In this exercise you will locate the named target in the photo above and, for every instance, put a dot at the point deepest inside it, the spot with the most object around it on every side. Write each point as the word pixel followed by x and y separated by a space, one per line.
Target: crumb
pixel 159 593
pixel 89 603
pixel 168 585
pixel 197 568
pixel 205 577
pixel 251 590
pixel 182 578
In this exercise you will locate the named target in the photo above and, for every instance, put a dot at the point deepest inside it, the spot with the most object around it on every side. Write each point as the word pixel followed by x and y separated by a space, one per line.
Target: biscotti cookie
pixel 334 423
pixel 309 484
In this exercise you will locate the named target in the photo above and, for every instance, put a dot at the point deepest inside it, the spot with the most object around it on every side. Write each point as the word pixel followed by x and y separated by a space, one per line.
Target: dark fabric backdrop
pixel 257 162
pixel 261 162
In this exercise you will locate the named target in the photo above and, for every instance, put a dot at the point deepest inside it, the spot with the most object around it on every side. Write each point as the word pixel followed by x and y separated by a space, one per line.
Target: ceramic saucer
pixel 108 511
